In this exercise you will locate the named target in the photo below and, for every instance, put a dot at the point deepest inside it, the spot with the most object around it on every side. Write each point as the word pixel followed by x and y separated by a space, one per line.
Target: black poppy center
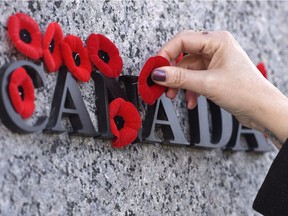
pixel 21 92
pixel 76 58
pixel 103 56
pixel 51 46
pixel 25 36
pixel 119 121
pixel 150 81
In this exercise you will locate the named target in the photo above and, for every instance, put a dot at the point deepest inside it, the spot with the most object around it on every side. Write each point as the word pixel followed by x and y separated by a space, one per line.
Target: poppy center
pixel 119 121
pixel 51 46
pixel 25 36
pixel 103 56
pixel 150 81
pixel 76 58
pixel 21 92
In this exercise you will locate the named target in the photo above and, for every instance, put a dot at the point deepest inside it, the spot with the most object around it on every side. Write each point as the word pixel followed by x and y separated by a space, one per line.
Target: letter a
pixel 170 127
pixel 67 101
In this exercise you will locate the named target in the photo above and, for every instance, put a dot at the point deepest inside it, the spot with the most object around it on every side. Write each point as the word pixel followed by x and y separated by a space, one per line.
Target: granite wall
pixel 57 174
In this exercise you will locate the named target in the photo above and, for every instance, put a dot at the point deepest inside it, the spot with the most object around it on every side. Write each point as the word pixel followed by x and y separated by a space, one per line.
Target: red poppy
pixel 262 69
pixel 51 47
pixel 105 55
pixel 125 121
pixel 21 91
pixel 149 90
pixel 76 57
pixel 25 34
pixel 179 58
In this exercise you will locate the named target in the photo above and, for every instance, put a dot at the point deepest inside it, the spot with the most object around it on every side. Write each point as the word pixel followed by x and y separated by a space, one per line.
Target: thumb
pixel 177 77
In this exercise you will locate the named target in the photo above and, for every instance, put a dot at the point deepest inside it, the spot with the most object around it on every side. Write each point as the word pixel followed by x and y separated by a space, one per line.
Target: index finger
pixel 190 42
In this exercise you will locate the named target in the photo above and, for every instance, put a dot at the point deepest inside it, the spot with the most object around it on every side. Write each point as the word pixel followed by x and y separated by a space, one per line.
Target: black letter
pixel 204 134
pixel 106 90
pixel 255 140
pixel 68 102
pixel 172 132
pixel 10 118
pixel 131 89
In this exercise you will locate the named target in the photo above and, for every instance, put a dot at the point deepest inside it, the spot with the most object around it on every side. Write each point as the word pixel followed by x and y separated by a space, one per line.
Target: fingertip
pixel 190 105
pixel 171 93
pixel 164 54
pixel 158 75
pixel 192 99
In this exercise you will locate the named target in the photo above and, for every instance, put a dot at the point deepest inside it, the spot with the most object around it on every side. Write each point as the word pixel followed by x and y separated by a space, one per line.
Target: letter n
pixel 106 90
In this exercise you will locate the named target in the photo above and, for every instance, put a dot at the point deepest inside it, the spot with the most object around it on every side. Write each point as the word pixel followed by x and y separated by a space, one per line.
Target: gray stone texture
pixel 57 174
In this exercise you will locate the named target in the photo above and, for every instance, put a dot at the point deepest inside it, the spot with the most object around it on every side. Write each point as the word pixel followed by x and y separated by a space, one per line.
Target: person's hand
pixel 219 69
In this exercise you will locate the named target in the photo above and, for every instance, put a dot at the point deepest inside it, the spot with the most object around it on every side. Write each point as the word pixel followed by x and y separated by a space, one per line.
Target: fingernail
pixel 159 75
pixel 189 105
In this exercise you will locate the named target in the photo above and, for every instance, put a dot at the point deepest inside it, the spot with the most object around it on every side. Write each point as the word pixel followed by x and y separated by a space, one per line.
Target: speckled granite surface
pixel 43 174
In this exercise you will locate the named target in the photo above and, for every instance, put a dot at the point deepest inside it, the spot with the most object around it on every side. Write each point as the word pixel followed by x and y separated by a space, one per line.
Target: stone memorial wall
pixel 49 172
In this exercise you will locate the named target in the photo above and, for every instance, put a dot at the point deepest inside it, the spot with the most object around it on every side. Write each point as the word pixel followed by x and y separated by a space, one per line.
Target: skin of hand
pixel 219 69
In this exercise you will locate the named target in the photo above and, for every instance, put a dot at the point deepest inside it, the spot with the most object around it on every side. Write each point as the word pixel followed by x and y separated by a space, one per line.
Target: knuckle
pixel 178 77
pixel 226 36
pixel 182 32
pixel 208 84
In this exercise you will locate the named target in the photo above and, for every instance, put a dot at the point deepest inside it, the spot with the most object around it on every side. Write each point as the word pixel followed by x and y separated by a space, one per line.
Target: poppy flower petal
pixel 132 117
pixel 179 58
pixel 261 67
pixel 25 34
pixel 76 57
pixel 148 90
pixel 128 132
pixel 114 129
pixel 52 47
pixel 21 92
pixel 105 55
pixel 113 110
pixel 127 136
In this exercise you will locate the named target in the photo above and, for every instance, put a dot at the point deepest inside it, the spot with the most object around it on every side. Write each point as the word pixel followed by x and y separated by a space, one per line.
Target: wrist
pixel 274 118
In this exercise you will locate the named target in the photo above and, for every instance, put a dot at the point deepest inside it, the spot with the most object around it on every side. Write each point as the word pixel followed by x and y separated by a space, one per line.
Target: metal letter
pixel 68 102
pixel 172 132
pixel 106 90
pixel 131 89
pixel 10 118
pixel 210 125
pixel 255 140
